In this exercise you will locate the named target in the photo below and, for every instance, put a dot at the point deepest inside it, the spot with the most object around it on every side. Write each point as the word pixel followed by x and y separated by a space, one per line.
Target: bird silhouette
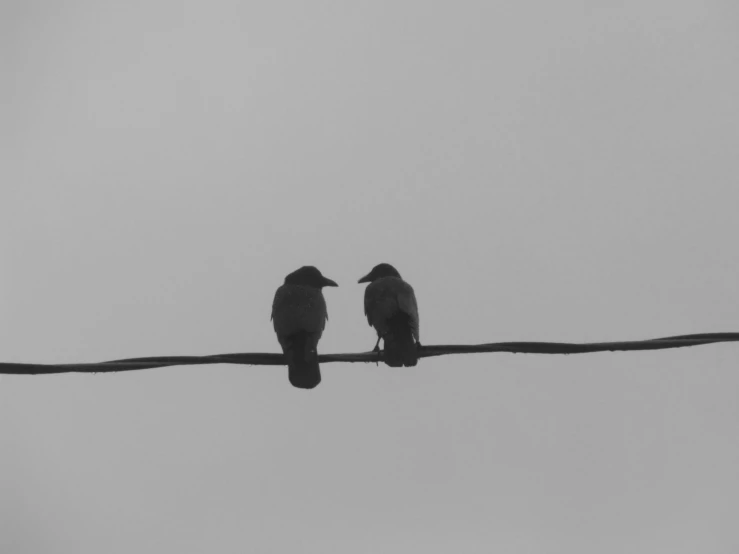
pixel 299 316
pixel 391 308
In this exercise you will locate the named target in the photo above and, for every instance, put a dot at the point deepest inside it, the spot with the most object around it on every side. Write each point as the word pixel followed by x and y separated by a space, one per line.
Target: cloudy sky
pixel 537 170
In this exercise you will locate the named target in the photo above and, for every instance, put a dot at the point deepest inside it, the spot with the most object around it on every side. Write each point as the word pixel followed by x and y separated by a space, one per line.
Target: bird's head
pixel 309 275
pixel 378 272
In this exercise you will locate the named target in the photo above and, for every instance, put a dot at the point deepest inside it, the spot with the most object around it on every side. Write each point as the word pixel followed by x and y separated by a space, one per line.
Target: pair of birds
pixel 299 316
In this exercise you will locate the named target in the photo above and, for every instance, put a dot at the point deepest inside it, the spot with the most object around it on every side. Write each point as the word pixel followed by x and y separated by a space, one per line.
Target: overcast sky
pixel 537 170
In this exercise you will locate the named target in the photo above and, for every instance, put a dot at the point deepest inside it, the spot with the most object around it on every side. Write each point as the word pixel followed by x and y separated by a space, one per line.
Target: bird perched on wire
pixel 299 316
pixel 391 308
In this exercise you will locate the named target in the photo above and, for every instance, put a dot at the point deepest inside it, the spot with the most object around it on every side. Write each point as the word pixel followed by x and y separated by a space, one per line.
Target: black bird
pixel 299 316
pixel 391 308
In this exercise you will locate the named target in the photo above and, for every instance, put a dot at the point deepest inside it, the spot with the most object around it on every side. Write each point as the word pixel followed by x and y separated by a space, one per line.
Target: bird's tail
pixel 400 346
pixel 302 362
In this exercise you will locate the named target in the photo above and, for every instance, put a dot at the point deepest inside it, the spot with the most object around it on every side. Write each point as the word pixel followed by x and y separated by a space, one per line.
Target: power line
pixel 131 364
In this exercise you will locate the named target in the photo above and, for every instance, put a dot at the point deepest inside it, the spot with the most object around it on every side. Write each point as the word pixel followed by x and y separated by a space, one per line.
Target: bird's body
pixel 299 317
pixel 391 308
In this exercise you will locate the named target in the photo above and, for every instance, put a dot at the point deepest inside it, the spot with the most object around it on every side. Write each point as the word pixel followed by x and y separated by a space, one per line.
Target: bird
pixel 299 316
pixel 391 308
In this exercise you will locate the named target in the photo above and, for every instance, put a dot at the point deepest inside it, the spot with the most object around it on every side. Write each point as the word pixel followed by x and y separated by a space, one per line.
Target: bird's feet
pixel 376 350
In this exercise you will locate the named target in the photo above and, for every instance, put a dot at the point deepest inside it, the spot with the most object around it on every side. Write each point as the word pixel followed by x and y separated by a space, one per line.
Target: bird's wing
pixel 278 299
pixel 368 299
pixel 380 302
pixel 407 304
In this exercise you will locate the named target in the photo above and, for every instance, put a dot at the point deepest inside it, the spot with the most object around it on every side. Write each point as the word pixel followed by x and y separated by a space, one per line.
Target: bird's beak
pixel 329 283
pixel 365 279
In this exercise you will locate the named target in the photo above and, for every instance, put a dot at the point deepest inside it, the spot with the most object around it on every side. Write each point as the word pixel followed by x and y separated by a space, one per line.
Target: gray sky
pixel 537 170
